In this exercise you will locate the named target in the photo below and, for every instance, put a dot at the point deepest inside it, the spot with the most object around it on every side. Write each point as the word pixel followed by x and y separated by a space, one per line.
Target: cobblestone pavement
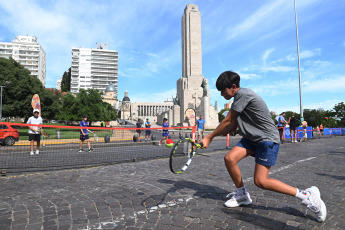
pixel 146 195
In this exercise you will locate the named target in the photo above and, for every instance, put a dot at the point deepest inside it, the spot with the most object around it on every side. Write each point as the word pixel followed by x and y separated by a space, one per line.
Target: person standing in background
pixel 34 131
pixel 200 127
pixel 292 123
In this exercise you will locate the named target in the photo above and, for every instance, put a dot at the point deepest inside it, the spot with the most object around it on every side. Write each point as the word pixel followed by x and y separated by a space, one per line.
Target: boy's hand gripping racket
pixel 94 135
pixel 181 154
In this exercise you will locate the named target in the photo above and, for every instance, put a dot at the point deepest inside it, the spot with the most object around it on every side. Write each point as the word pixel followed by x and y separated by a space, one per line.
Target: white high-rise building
pixel 29 53
pixel 94 68
pixel 58 84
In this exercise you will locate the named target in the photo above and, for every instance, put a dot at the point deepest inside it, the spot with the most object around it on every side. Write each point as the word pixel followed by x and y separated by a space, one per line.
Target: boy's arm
pixel 228 124
pixel 29 122
pixel 39 128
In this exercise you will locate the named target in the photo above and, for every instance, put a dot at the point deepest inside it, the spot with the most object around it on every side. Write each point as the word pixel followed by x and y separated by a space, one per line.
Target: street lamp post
pixel 299 67
pixel 2 86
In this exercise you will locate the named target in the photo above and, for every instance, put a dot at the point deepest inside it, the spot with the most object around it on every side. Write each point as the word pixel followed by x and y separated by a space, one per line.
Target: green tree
pixel 18 94
pixel 86 102
pixel 66 81
pixel 339 113
pixel 51 104
pixel 220 114
pixel 69 109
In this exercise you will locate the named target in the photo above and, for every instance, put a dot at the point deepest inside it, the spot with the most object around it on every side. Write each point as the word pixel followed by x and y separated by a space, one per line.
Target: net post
pixel 193 133
pixel 227 140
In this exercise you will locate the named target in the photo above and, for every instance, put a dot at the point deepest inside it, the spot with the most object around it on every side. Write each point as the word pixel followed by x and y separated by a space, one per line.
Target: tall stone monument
pixel 192 87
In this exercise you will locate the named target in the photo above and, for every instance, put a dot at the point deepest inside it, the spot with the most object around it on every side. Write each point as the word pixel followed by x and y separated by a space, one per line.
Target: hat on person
pixel 36 111
pixel 147 118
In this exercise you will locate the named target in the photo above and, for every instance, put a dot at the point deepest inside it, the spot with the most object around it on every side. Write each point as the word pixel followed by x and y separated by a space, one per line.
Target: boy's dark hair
pixel 227 79
pixel 165 119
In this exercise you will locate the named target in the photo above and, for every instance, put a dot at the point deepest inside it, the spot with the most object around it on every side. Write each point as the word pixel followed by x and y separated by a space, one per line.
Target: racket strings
pixel 181 155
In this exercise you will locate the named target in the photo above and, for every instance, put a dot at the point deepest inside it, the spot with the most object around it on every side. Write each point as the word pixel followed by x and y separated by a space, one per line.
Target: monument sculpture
pixel 204 88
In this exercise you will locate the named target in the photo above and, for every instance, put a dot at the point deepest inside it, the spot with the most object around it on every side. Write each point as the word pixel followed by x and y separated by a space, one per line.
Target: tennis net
pixel 60 148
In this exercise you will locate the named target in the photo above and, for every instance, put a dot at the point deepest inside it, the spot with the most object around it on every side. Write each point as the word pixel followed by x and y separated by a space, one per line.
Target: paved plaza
pixel 146 195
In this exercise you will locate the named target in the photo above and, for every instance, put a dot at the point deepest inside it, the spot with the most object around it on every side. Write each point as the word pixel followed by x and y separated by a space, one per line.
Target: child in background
pixel 147 131
pixel 84 134
pixel 165 131
pixel 138 125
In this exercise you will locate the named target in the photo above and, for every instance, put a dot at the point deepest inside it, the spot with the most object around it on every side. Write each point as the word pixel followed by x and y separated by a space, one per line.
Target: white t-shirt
pixel 36 121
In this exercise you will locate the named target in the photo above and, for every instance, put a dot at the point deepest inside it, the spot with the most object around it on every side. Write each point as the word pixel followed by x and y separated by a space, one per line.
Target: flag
pixel 36 103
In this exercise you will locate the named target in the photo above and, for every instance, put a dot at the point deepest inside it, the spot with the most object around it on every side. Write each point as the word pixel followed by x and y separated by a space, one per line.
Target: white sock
pixel 301 194
pixel 241 191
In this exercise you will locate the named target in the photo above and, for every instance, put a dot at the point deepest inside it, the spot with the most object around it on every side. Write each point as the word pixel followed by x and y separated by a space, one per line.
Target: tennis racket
pixel 182 154
pixel 94 135
pixel 44 133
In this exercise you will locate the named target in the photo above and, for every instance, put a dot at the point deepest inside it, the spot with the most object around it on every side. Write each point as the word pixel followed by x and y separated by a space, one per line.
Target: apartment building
pixel 94 68
pixel 29 53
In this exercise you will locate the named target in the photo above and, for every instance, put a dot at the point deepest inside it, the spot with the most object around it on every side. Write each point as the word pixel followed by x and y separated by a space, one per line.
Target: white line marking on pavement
pixel 180 200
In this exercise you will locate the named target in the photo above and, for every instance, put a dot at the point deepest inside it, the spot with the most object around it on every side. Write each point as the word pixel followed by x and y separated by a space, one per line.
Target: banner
pixel 190 113
pixel 36 103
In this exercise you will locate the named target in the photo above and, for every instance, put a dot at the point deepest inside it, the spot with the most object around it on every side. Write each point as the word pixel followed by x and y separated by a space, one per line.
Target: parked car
pixel 53 121
pixel 8 134
pixel 122 122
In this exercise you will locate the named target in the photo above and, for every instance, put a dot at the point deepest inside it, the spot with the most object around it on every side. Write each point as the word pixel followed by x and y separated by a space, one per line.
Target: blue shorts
pixel 165 134
pixel 84 137
pixel 265 152
pixel 148 132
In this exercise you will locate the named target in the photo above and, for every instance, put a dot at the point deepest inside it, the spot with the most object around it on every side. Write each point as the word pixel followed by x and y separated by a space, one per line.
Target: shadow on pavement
pixel 201 190
pixel 333 176
pixel 262 220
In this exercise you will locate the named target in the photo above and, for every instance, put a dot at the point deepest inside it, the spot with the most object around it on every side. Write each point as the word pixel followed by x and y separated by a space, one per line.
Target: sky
pixel 256 39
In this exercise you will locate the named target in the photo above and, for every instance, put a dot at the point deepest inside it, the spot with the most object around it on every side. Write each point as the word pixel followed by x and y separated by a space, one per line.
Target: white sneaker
pixel 237 200
pixel 314 203
pixel 32 153
pixel 37 151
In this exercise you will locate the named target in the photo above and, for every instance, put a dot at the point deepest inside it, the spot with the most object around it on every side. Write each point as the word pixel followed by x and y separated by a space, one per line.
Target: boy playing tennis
pixel 260 140
pixel 84 134
pixel 34 131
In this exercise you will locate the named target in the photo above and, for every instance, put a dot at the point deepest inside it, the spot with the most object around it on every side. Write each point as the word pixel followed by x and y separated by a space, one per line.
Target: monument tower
pixel 192 87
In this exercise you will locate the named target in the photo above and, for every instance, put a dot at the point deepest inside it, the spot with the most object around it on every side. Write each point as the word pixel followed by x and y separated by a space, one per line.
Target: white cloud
pixel 310 53
pixel 154 97
pixel 277 68
pixel 266 55
pixel 249 76
pixel 263 13
pixel 326 105
pixel 322 85
pixel 291 57
pixel 334 84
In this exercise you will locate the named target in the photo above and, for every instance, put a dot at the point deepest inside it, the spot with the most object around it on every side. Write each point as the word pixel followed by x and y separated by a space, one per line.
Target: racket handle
pixel 200 145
